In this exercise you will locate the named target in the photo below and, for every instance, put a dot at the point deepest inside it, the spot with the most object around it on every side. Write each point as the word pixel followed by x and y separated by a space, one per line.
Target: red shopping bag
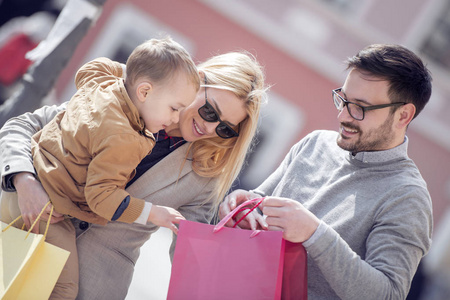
pixel 295 284
pixel 216 262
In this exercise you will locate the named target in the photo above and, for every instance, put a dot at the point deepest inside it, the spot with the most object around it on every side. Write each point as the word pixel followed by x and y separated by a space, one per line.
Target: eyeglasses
pixel 356 111
pixel 209 114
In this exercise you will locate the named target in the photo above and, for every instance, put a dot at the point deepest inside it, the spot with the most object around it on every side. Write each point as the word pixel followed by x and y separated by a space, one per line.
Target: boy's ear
pixel 143 89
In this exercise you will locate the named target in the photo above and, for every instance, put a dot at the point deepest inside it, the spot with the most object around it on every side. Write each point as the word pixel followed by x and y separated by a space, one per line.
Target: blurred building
pixel 302 44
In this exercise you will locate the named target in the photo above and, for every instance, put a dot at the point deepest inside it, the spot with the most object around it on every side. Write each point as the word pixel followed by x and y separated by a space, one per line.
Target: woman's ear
pixel 143 89
pixel 202 76
pixel 406 114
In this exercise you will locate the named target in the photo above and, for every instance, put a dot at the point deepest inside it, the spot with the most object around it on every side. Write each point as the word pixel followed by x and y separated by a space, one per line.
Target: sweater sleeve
pixel 268 186
pixel 399 238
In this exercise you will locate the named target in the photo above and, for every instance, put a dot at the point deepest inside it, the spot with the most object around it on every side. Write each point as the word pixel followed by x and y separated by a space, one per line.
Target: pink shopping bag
pixel 216 262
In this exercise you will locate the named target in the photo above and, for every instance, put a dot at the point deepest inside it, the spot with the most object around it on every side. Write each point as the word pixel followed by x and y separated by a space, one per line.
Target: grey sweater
pixel 376 216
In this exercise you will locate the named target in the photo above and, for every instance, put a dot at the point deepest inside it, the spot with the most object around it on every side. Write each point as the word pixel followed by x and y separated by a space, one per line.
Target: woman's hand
pixel 252 221
pixel 32 198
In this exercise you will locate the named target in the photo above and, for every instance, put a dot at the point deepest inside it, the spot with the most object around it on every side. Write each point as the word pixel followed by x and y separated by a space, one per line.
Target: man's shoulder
pixel 316 140
pixel 323 133
pixel 320 136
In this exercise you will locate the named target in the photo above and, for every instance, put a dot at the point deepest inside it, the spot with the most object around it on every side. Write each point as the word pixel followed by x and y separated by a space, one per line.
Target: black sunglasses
pixel 209 114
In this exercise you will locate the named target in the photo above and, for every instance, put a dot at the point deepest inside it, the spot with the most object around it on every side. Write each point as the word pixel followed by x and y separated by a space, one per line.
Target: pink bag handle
pixel 256 202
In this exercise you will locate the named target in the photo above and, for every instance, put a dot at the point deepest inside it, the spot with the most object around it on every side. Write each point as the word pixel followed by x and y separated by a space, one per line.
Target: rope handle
pixel 255 202
pixel 35 221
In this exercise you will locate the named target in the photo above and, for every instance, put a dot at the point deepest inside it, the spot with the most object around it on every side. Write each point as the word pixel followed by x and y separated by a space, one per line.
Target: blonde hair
pixel 240 73
pixel 158 60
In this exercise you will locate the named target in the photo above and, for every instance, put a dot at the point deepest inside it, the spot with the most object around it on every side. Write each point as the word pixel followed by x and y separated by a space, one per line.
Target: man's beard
pixel 372 140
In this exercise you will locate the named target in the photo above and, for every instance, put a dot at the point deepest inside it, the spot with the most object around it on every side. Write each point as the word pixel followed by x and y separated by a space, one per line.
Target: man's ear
pixel 143 89
pixel 406 113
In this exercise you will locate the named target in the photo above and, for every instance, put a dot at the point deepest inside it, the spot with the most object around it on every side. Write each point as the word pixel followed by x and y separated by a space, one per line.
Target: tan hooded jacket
pixel 86 155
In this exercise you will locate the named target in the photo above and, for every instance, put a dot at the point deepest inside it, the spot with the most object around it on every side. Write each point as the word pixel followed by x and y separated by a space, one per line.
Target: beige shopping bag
pixel 29 266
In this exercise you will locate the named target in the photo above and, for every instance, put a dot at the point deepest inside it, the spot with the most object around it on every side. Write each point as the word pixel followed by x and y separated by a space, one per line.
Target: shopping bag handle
pixel 35 221
pixel 255 202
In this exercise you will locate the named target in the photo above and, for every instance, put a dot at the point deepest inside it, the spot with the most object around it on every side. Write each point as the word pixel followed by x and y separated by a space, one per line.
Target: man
pixel 354 198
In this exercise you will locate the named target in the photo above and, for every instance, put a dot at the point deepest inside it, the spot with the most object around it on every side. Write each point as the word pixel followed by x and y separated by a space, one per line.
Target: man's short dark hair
pixel 409 79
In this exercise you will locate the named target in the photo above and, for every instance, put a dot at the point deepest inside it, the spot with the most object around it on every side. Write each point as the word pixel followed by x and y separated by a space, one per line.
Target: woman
pixel 193 178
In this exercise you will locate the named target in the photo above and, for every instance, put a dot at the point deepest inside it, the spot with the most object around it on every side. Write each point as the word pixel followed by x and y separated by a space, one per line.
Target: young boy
pixel 86 155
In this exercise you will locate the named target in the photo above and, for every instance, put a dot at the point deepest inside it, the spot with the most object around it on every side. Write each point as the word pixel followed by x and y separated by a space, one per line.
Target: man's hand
pixel 32 198
pixel 252 221
pixel 165 216
pixel 297 223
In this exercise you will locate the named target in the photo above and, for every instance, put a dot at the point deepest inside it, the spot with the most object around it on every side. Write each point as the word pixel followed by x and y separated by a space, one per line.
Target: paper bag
pixel 216 262
pixel 29 266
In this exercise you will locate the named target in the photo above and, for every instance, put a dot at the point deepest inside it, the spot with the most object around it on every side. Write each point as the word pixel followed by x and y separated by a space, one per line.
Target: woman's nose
pixel 210 127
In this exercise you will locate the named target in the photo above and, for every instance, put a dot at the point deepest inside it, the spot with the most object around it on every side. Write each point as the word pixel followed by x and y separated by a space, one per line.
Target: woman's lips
pixel 197 129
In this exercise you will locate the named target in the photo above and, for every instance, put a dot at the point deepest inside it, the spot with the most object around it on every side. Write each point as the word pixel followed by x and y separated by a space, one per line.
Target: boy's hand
pixel 165 216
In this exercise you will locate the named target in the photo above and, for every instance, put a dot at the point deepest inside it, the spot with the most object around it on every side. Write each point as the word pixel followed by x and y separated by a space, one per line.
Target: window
pixel 436 46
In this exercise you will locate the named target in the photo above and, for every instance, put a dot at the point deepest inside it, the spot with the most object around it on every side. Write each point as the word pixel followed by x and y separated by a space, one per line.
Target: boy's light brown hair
pixel 158 60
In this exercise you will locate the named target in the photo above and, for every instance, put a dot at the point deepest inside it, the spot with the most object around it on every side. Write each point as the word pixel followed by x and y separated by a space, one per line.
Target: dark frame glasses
pixel 209 114
pixel 356 111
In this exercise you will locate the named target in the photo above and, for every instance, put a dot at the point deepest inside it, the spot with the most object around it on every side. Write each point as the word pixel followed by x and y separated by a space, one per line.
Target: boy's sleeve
pixel 108 173
pixel 98 71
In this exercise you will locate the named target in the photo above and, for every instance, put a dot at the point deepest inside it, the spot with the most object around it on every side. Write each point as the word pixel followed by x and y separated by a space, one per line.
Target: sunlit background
pixel 302 44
